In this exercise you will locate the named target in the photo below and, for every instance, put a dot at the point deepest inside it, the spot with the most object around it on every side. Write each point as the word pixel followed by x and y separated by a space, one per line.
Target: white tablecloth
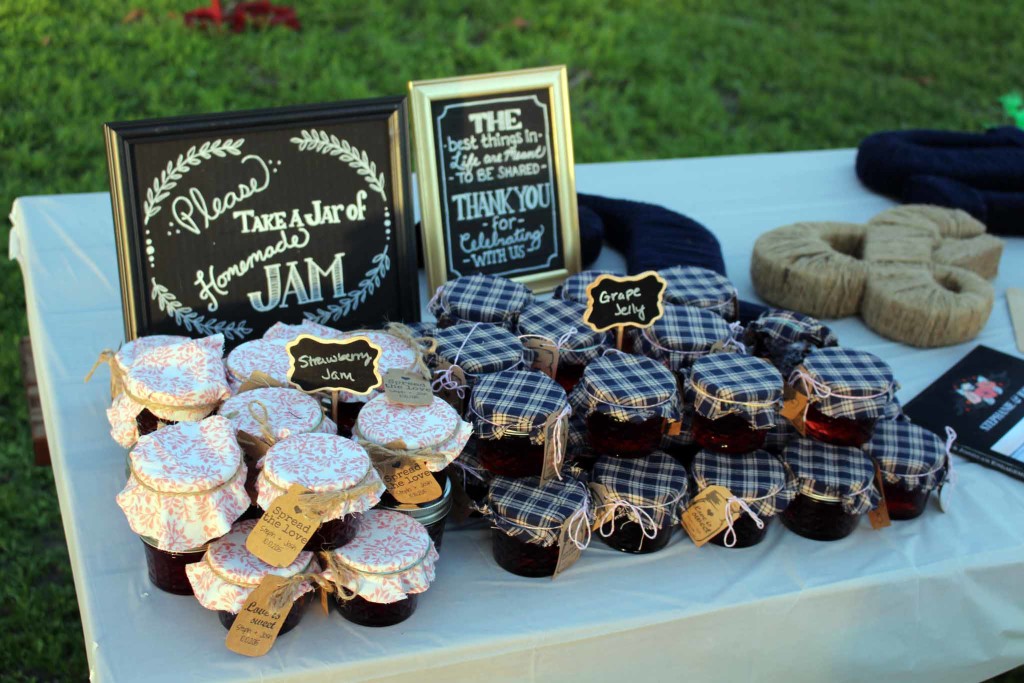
pixel 937 599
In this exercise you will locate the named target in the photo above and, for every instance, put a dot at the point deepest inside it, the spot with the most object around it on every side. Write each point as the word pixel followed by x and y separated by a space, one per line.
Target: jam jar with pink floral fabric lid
pixel 785 338
pixel 560 323
pixel 333 467
pixel 186 487
pixel 574 287
pixel 262 417
pixel 528 515
pixel 621 404
pixel 178 381
pixel 736 400
pixel 257 363
pixel 228 574
pixel 913 462
pixel 119 361
pixel 760 488
pixel 700 287
pixel 637 501
pixel 835 487
pixel 399 436
pixel 682 335
pixel 515 413
pixel 847 391
pixel 479 298
pixel 380 573
pixel 468 351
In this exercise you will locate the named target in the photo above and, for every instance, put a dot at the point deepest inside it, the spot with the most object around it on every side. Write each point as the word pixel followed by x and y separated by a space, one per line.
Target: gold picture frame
pixel 545 93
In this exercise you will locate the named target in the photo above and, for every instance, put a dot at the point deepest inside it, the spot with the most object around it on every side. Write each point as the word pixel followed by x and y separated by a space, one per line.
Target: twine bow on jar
pixel 421 346
pixel 815 389
pixel 108 357
pixel 340 571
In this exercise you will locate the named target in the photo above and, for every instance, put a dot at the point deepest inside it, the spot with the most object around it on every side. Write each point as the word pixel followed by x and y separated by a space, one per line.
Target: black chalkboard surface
pixel 231 222
pixel 614 301
pixel 350 365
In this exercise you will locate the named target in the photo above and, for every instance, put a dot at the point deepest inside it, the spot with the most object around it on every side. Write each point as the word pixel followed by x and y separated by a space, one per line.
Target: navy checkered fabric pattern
pixel 909 456
pixel 681 336
pixel 481 298
pixel 759 478
pixel 700 287
pixel 626 388
pixel 656 483
pixel 478 349
pixel 848 383
pixel 786 337
pixel 423 329
pixel 515 403
pixel 532 512
pixel 685 435
pixel 733 384
pixel 839 473
pixel 574 288
pixel 556 318
pixel 778 436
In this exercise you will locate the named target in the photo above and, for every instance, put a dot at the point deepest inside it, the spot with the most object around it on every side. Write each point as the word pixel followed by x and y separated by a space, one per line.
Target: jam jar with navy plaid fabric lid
pixel 620 405
pixel 561 323
pixel 760 490
pixel 847 391
pixel 636 501
pixel 785 338
pixel 527 518
pixel 835 487
pixel 509 411
pixel 479 298
pixel 700 287
pixel 574 287
pixel 682 335
pixel 467 351
pixel 735 401
pixel 913 461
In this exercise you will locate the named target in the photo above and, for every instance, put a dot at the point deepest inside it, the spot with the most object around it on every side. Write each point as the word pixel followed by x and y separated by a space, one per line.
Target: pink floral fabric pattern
pixel 187 484
pixel 287 411
pixel 258 355
pixel 284 333
pixel 322 463
pixel 229 573
pixel 390 558
pixel 436 426
pixel 129 351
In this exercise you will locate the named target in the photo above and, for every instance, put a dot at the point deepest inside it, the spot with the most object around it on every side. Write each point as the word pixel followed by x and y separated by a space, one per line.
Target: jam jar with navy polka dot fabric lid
pixel 637 501
pixel 847 391
pixel 186 487
pixel 835 487
pixel 380 573
pixel 785 338
pixel 527 517
pixel 574 287
pixel 561 323
pixel 479 298
pixel 620 405
pixel 336 472
pixel 510 411
pixel 229 573
pixel 468 351
pixel 760 487
pixel 736 399
pixel 682 335
pixel 700 287
pixel 913 461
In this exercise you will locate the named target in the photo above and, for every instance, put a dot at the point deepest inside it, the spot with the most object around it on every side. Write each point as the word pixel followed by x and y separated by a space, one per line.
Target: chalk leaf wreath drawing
pixel 195 322
pixel 170 176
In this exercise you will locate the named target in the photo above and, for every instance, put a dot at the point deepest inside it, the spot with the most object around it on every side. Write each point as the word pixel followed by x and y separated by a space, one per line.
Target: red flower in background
pixel 257 13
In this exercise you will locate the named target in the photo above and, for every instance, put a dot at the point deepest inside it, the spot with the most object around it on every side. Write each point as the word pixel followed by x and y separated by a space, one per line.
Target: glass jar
pixel 819 518
pixel 621 438
pixel 747 531
pixel 912 461
pixel 735 401
pixel 628 536
pixel 479 298
pixel 785 338
pixel 167 569
pixel 147 423
pixel 682 335
pixel 472 350
pixel 904 504
pixel 559 323
pixel 522 558
pixel 574 287
pixel 431 514
pixel 361 611
pixel 511 456
pixel 838 431
pixel 227 619
pixel 702 288
pixel 333 533
pixel 729 434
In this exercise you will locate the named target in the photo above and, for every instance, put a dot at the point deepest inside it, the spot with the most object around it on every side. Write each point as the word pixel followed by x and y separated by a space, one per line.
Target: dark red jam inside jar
pixel 609 436
pixel 569 375
pixel 148 423
pixel 431 514
pixel 628 536
pixel 365 613
pixel 522 558
pixel 819 520
pixel 167 569
pixel 747 532
pixel 729 434
pixel 347 414
pixel 904 504
pixel 839 431
pixel 290 621
pixel 333 534
pixel 511 456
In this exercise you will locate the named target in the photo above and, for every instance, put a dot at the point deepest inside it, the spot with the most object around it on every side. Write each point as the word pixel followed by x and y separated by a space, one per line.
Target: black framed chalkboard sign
pixel 496 180
pixel 228 223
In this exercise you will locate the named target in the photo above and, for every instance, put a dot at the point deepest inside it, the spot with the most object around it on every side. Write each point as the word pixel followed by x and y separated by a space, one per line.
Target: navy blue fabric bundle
pixel 983 174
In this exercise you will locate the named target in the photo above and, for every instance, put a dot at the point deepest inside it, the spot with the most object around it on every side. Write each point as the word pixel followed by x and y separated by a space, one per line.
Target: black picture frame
pixel 306 142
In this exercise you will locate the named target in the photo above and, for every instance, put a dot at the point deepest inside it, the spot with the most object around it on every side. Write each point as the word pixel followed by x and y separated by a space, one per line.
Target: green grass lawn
pixel 648 79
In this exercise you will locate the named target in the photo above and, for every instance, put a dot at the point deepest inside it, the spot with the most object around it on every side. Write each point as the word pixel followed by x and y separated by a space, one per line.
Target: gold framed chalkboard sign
pixel 228 223
pixel 496 181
